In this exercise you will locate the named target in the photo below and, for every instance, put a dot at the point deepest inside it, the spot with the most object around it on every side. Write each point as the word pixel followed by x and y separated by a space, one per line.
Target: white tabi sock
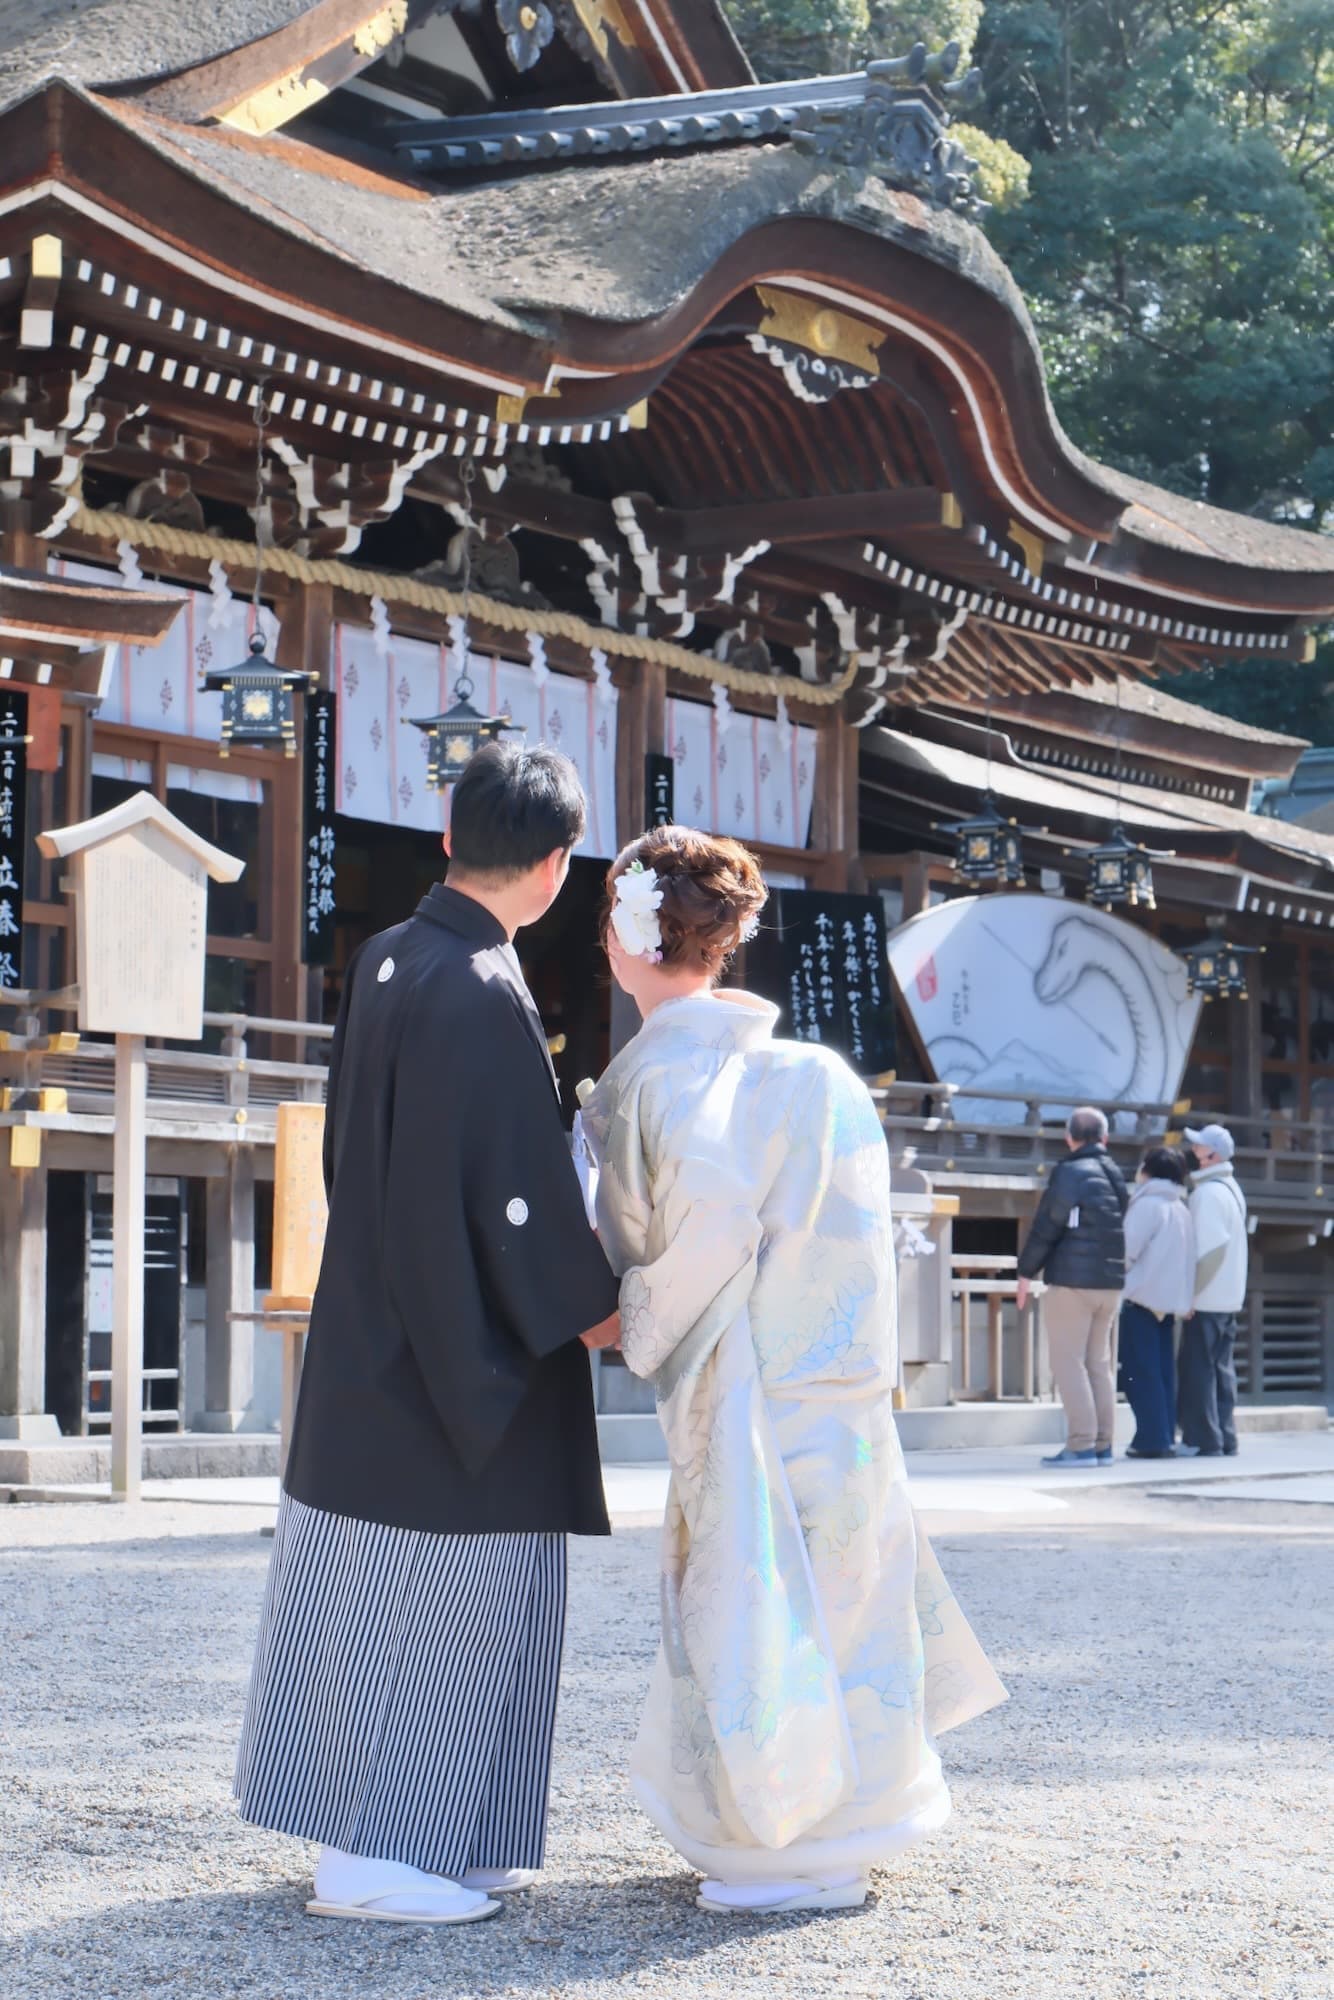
pixel 757 1895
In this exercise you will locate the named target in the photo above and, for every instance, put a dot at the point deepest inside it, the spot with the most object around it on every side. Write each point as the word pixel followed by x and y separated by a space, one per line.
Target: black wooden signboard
pixel 317 828
pixel 822 959
pixel 13 804
pixel 659 789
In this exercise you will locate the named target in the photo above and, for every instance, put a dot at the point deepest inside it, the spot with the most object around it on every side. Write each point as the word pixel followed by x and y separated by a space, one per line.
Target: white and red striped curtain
pixel 743 775
pixel 382 760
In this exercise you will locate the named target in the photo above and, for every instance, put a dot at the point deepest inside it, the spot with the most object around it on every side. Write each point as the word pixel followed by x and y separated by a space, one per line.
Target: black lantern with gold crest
pixel 258 698
pixel 258 701
pixel 1217 971
pixel 1120 873
pixel 987 847
pixel 456 736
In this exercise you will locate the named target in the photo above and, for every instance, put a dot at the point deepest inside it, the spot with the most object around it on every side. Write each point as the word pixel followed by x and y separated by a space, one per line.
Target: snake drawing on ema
pixel 1138 1062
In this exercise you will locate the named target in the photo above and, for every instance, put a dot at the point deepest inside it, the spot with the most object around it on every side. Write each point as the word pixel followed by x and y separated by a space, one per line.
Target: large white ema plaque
pixel 1051 999
pixel 140 891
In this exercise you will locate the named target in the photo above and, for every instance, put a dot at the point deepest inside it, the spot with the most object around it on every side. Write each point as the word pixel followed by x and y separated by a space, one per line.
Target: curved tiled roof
pixel 96 42
pixel 628 259
pixel 631 240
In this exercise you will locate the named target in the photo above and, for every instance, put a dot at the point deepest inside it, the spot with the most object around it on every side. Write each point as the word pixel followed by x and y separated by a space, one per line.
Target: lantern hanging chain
pixel 986 654
pixel 261 423
pixel 467 473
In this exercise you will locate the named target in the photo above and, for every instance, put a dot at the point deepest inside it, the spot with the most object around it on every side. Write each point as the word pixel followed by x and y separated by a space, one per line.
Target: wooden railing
pixel 40 1062
pixel 1278 1161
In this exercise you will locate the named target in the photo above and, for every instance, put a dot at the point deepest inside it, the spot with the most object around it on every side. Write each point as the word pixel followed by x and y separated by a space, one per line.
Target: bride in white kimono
pixel 812 1650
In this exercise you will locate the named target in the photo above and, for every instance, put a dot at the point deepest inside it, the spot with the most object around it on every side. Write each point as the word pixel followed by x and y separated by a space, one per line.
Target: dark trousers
pixel 1207 1393
pixel 1148 1375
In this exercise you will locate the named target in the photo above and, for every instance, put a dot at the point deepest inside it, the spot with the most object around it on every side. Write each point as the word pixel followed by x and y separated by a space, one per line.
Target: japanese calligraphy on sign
pixel 659 789
pixel 13 802
pixel 317 829
pixel 822 958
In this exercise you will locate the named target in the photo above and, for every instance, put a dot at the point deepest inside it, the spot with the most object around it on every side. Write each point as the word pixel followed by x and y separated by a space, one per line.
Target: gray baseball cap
pixel 1216 1137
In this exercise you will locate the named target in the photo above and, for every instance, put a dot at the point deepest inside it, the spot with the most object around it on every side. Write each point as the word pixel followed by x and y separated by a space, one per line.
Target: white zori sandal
pixel 769 1899
pixel 389 1892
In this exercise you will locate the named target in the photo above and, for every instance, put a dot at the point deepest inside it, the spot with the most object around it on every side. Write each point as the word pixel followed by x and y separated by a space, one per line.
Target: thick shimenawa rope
pixel 394 589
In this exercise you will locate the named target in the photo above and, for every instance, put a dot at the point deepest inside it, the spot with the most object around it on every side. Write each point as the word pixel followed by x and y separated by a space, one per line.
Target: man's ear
pixel 445 843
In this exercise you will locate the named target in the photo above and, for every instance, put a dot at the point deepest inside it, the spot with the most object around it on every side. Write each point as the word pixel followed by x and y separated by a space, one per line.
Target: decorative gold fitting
pixel 1031 546
pixel 819 329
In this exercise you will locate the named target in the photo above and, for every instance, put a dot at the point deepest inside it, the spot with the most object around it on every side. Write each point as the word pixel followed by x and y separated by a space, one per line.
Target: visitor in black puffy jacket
pixel 1078 1244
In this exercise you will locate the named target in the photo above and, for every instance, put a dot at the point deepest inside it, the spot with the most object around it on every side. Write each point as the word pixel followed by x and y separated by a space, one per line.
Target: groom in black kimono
pixel 402 1699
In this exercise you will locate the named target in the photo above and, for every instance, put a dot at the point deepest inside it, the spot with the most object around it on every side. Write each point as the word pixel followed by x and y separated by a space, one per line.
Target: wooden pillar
pixel 834 802
pixel 229 1287
pixel 23 1294
pixel 19 547
pixel 641 727
pixel 1246 1048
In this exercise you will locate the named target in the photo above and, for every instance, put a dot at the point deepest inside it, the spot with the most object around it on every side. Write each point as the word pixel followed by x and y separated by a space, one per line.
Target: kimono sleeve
pixel 704 1216
pixel 541 1267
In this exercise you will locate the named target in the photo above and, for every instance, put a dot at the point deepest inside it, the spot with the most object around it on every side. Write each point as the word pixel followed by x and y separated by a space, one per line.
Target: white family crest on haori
pixel 636 900
pixel 812 1649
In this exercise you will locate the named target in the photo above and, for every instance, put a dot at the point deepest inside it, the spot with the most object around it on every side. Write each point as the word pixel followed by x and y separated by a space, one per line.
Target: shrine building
pixel 537 355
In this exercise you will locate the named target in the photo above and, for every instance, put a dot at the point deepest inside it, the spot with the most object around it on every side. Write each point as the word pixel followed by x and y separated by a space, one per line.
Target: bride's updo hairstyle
pixel 712 890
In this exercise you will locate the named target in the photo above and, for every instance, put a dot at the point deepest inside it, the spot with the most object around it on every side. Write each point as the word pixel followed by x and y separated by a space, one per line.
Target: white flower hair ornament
pixel 636 901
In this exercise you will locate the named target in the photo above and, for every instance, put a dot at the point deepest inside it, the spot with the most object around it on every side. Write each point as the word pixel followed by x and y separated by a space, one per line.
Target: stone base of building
pixel 30 1430
pixel 87 1461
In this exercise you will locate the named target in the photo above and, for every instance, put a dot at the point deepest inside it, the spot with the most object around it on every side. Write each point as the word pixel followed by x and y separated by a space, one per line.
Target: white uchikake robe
pixel 811 1648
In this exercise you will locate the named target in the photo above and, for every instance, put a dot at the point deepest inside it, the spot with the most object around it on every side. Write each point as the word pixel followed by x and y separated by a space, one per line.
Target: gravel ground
pixel 1148 1817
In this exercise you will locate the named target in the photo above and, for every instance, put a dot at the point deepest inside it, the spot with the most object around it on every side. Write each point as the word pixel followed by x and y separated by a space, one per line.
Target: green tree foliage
pixel 1163 179
pixel 1177 253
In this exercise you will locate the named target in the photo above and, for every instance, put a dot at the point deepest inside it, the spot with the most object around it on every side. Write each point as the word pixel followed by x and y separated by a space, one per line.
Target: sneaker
pixel 1067 1457
pixel 1104 1457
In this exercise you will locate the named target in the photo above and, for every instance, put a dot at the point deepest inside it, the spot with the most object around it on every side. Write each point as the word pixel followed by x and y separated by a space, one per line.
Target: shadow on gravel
pixel 263 1944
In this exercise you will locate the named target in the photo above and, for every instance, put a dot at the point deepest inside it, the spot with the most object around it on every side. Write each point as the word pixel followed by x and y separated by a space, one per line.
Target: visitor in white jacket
pixel 1207 1391
pixel 1159 1287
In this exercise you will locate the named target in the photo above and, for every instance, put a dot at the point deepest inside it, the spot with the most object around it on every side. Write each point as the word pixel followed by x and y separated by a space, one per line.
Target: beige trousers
pixel 1080 1328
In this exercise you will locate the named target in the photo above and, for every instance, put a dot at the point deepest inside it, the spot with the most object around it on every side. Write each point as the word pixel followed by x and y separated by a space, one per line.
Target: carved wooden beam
pixel 259 87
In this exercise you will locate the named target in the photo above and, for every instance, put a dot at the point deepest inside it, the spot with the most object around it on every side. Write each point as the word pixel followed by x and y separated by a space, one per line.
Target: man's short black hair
pixel 512 807
pixel 1164 1163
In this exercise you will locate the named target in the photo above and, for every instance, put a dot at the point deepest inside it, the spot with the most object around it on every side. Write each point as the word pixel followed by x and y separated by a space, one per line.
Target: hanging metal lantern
pixel 987 847
pixel 455 737
pixel 1120 873
pixel 1217 971
pixel 257 701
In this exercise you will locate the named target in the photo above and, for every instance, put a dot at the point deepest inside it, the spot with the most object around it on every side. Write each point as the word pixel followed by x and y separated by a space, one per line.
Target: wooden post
pixel 229 1342
pixel 23 1290
pixel 300 1217
pixel 996 1343
pixel 127 1330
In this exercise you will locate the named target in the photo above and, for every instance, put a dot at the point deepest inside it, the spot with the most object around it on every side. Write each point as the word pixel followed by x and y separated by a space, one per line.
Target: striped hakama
pixel 403 1693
